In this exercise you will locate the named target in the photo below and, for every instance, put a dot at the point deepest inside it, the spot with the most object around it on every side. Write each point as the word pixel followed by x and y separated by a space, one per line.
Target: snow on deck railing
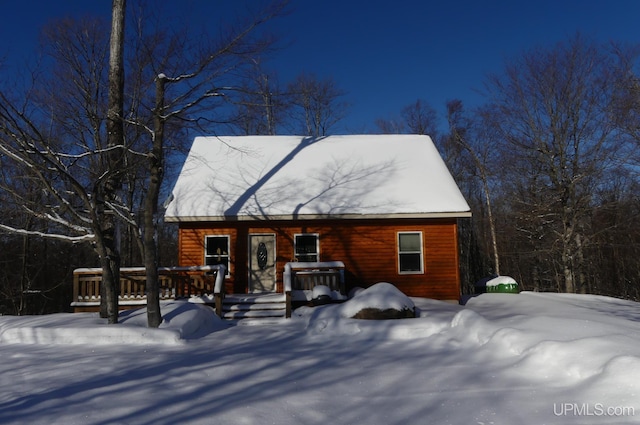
pixel 313 273
pixel 160 269
pixel 174 282
pixel 309 266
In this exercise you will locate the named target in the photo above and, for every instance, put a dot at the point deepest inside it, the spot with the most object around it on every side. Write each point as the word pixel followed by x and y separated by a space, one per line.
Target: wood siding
pixel 368 249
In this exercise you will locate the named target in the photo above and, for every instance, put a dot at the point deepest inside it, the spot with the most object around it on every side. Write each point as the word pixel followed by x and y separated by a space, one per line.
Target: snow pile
pixel 381 296
pixel 181 321
pixel 525 358
pixel 337 319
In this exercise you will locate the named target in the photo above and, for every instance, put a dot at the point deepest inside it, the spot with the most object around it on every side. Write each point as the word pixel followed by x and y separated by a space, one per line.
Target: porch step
pixel 253 306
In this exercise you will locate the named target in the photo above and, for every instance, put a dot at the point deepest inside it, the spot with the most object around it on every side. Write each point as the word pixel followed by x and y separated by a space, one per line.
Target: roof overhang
pixel 431 215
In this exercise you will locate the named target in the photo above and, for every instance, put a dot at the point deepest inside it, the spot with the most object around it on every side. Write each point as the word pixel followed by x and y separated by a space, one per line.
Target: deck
pixel 174 282
pixel 207 284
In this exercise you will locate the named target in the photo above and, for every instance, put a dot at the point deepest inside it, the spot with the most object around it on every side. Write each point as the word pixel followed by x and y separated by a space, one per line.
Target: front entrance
pixel 262 263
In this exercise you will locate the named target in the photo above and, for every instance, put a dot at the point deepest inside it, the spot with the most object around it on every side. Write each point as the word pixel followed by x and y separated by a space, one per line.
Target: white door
pixel 262 263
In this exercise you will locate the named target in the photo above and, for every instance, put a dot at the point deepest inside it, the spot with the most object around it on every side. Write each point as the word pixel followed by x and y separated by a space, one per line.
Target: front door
pixel 262 263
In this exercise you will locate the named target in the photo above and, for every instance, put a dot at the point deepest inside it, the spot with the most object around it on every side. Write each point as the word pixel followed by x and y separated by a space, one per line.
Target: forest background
pixel 547 160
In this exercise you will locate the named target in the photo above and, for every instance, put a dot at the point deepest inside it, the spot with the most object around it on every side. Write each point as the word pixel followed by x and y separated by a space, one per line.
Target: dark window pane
pixel 410 263
pixel 214 261
pixel 306 247
pixel 306 244
pixel 217 245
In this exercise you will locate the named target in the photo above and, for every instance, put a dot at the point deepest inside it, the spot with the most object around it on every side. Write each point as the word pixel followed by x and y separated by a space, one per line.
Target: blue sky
pixel 384 54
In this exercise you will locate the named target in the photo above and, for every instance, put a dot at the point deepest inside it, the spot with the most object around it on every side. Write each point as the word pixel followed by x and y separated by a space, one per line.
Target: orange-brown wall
pixel 368 249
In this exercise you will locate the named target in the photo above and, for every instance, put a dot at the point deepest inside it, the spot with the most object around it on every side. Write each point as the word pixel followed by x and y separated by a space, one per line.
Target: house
pixel 385 206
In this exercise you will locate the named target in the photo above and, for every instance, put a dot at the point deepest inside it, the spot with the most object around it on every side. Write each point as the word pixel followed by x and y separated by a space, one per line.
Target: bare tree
pixel 79 153
pixel 260 104
pixel 187 88
pixel 416 118
pixel 391 125
pixel 554 112
pixel 69 203
pixel 316 104
pixel 480 151
pixel 77 173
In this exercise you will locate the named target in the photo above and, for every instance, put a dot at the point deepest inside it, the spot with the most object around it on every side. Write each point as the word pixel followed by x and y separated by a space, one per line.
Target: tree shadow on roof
pixel 235 208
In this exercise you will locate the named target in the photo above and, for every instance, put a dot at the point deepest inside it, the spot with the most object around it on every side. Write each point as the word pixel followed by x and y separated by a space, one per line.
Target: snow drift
pixel 525 358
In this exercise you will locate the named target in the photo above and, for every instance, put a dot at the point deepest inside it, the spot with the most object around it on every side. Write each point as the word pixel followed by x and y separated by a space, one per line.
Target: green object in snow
pixel 506 288
pixel 501 284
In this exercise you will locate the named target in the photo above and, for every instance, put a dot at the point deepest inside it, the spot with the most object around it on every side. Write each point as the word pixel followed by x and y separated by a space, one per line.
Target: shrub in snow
pixel 389 313
pixel 379 302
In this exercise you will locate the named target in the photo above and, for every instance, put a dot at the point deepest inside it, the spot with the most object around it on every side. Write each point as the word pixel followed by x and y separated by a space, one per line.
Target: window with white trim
pixel 216 250
pixel 307 247
pixel 410 253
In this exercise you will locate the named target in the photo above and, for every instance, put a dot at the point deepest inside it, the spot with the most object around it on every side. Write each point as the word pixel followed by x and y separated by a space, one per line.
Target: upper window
pixel 410 252
pixel 216 251
pixel 306 247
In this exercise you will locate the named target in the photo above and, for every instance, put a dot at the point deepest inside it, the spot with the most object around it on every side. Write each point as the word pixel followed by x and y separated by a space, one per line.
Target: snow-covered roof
pixel 284 177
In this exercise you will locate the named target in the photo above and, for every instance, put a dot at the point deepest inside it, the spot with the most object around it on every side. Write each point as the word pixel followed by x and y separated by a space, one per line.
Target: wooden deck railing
pixel 174 282
pixel 301 276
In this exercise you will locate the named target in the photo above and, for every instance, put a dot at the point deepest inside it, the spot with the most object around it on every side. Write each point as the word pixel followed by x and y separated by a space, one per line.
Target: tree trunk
pixel 567 268
pixel 110 281
pixel 535 277
pixel 110 263
pixel 110 257
pixel 154 315
pixel 580 265
pixel 23 275
pixel 492 220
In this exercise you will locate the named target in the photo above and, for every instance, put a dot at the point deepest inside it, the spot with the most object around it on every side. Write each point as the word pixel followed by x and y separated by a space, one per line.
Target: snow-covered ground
pixel 530 358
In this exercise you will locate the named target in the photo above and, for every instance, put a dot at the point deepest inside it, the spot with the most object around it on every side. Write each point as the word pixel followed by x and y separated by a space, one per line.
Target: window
pixel 410 252
pixel 306 247
pixel 216 251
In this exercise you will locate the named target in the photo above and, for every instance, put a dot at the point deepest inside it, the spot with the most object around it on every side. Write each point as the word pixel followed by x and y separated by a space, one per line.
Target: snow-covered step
pixel 254 306
pixel 254 298
pixel 253 314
